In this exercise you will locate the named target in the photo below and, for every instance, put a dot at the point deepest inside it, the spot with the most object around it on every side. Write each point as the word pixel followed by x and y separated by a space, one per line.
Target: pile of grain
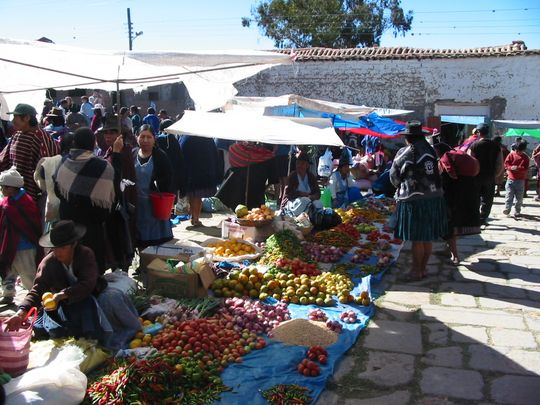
pixel 304 332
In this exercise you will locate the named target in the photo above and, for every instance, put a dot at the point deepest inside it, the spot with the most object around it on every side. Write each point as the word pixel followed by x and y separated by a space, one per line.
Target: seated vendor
pixel 70 273
pixel 301 188
pixel 341 181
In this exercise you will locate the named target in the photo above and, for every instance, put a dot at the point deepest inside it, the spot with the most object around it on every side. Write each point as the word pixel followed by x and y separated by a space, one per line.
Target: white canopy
pixel 262 105
pixel 255 128
pixel 521 124
pixel 29 66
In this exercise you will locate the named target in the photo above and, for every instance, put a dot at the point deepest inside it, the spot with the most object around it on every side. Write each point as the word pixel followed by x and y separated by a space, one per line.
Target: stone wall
pixel 508 87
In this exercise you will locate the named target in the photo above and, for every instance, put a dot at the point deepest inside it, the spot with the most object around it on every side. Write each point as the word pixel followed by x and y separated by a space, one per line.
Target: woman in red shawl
pixel 20 229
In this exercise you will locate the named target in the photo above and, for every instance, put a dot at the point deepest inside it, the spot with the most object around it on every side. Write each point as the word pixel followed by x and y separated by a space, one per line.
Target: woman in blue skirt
pixel 421 210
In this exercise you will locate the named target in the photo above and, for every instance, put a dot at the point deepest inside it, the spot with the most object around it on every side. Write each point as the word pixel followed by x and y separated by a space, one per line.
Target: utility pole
pixel 131 35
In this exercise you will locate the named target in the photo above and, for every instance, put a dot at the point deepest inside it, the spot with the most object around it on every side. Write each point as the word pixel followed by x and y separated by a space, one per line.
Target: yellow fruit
pixel 139 335
pixel 46 296
pixel 135 343
pixel 147 338
pixel 147 323
pixel 49 304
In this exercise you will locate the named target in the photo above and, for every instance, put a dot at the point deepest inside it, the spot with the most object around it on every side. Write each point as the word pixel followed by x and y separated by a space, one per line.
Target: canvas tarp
pixel 256 128
pixel 31 66
pixel 521 124
pixel 275 106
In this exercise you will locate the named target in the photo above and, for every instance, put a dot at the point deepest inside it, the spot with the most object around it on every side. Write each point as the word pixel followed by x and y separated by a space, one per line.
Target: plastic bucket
pixel 162 204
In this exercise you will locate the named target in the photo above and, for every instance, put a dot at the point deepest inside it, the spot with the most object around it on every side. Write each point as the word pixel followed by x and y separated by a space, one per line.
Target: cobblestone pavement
pixel 466 334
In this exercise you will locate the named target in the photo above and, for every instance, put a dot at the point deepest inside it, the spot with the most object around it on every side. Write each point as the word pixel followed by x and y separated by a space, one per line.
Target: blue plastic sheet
pixel 276 363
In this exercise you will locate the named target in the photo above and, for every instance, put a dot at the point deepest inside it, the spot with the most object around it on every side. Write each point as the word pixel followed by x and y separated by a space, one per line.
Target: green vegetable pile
pixel 282 244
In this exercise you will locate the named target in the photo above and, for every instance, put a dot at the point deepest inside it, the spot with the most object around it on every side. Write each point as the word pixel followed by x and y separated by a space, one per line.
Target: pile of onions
pixel 323 253
pixel 253 315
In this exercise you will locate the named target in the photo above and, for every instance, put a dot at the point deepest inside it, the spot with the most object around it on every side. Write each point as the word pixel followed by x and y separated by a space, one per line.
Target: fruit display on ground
pixel 231 248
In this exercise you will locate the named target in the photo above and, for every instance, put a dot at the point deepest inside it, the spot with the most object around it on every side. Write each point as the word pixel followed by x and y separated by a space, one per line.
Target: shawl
pixel 242 155
pixel 17 218
pixel 458 163
pixel 83 174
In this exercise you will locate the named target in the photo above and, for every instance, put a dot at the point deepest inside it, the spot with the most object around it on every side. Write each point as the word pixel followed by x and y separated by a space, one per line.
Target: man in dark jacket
pixel 489 156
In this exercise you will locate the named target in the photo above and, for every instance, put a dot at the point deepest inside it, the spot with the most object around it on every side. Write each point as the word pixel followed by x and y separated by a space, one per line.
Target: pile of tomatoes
pixel 210 337
pixel 298 267
pixel 308 366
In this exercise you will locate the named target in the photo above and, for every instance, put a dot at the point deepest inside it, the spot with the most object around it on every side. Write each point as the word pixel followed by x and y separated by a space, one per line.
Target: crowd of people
pixel 76 184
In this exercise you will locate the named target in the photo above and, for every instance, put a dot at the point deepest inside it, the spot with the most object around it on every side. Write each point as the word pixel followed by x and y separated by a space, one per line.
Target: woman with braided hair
pixel 421 210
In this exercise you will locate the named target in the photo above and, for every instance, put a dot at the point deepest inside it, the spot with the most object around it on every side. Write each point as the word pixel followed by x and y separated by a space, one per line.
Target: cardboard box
pixel 184 251
pixel 191 282
pixel 232 230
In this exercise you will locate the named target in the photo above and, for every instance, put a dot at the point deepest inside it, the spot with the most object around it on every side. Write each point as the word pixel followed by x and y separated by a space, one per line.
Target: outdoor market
pixel 260 310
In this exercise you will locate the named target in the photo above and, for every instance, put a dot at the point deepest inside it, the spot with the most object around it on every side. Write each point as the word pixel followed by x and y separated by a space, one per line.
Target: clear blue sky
pixel 215 24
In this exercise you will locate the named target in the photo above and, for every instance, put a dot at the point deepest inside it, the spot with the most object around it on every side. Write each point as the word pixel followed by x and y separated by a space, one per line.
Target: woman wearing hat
pixel 20 229
pixel 56 127
pixel 301 184
pixel 341 181
pixel 70 273
pixel 421 210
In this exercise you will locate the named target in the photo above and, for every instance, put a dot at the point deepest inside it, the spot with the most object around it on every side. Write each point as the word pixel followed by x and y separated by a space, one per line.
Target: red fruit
pixel 315 373
pixel 323 359
pixel 300 368
pixel 312 355
pixel 307 372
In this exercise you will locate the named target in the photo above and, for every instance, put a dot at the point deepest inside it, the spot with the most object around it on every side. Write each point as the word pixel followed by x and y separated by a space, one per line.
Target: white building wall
pixel 510 85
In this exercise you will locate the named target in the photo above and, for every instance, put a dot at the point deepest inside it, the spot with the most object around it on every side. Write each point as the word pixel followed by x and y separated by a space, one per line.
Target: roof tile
pixel 327 54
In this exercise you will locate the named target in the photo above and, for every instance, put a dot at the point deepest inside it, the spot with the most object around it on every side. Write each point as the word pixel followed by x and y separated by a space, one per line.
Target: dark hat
pixel 303 156
pixel 414 128
pixel 24 109
pixel 56 112
pixel 343 163
pixel 482 128
pixel 165 124
pixel 111 123
pixel 84 138
pixel 63 233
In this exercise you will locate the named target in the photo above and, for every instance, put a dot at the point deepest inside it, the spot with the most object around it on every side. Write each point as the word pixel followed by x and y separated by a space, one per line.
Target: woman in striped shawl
pixel 84 184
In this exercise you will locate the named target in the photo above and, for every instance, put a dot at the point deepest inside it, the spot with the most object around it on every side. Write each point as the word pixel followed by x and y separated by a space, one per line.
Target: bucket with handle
pixel 162 204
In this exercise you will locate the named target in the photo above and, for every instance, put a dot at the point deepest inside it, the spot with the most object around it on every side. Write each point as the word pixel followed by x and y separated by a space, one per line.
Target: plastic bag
pixel 59 382
pixel 252 256
pixel 324 168
pixel 182 206
pixel 121 281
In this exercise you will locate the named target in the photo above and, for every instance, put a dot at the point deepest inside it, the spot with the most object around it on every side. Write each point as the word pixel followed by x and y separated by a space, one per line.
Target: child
pixel 517 167
pixel 20 229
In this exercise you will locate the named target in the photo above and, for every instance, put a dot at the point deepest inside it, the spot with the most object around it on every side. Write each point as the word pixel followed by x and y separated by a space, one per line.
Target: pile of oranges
pixel 231 248
pixel 259 214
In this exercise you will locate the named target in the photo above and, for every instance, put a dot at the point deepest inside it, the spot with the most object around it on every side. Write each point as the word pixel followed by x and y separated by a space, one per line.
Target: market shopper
pixel 120 226
pixel 56 127
pixel 500 180
pixel 458 178
pixel 169 144
pixel 20 229
pixel 84 183
pixel 71 275
pixel 151 119
pixel 27 147
pixel 202 174
pixel 517 168
pixel 153 174
pixel 421 210
pixel 536 159
pixel 489 156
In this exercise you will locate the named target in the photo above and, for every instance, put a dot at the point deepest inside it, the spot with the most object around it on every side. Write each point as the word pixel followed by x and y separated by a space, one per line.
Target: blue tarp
pixel 371 122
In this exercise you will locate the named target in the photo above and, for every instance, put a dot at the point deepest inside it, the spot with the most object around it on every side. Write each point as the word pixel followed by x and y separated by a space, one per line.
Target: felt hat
pixel 111 123
pixel 24 109
pixel 56 112
pixel 63 233
pixel 11 177
pixel 482 128
pixel 414 128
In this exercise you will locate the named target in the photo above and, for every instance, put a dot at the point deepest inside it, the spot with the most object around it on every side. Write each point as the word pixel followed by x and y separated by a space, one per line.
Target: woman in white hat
pixel 20 229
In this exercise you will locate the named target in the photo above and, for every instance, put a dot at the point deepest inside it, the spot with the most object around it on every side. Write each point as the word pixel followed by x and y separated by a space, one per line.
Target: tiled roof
pixel 380 53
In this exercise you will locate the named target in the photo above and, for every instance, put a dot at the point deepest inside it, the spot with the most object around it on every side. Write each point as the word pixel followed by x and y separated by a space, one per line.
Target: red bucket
pixel 162 204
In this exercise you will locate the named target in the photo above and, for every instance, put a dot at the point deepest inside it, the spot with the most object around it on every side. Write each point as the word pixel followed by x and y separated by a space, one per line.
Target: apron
pixel 342 192
pixel 148 227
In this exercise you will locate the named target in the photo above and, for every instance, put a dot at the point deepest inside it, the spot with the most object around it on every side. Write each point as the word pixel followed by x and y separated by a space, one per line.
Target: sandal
pixel 196 223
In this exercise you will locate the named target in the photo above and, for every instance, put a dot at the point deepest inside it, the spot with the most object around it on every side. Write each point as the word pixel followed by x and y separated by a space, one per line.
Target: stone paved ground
pixel 464 335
